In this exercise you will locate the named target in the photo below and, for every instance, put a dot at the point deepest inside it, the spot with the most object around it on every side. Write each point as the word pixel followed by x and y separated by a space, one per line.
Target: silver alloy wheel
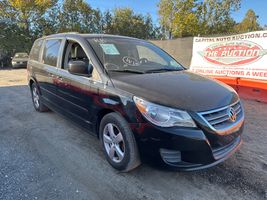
pixel 35 97
pixel 113 142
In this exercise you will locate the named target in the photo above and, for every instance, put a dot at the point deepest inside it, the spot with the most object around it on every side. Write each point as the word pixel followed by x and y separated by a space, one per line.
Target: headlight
pixel 163 116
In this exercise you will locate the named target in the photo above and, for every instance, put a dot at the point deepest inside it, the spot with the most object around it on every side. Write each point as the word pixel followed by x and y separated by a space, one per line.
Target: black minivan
pixel 138 100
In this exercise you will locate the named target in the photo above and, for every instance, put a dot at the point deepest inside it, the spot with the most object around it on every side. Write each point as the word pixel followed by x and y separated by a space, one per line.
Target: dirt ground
pixel 43 156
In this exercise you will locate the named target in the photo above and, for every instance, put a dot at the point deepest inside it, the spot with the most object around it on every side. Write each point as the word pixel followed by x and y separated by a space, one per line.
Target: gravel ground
pixel 43 156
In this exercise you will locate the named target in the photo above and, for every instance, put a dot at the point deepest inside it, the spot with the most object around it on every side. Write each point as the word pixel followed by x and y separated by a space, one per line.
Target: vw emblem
pixel 232 114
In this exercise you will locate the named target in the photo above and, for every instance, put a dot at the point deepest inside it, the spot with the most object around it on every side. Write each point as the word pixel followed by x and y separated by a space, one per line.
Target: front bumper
pixel 19 65
pixel 186 148
pixel 187 166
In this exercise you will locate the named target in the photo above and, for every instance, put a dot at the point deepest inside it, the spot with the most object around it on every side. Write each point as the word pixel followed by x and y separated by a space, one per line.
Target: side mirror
pixel 79 67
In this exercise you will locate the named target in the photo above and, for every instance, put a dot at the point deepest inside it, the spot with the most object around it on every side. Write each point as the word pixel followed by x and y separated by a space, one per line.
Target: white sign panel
pixel 243 55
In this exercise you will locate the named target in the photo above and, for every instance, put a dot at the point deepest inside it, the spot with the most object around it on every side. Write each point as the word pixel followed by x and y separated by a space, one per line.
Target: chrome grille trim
pixel 218 120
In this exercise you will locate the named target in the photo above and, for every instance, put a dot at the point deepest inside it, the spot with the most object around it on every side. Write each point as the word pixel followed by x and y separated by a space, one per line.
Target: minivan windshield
pixel 132 56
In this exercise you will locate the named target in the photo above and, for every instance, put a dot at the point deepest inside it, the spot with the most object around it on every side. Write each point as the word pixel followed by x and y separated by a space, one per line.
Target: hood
pixel 183 90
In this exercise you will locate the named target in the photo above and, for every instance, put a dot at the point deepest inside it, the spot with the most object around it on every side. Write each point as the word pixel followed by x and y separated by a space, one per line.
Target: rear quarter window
pixel 36 49
pixel 51 51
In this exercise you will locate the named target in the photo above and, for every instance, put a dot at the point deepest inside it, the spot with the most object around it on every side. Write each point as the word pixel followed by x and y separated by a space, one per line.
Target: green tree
pixel 193 17
pixel 149 30
pixel 249 23
pixel 215 16
pixel 21 22
pixel 106 22
pixel 126 22
pixel 179 17
pixel 77 15
pixel 12 38
pixel 185 20
pixel 25 13
pixel 48 23
pixel 166 14
pixel 21 18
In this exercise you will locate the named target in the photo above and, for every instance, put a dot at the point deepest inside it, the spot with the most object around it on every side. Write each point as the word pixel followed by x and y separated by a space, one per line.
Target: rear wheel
pixel 37 103
pixel 118 143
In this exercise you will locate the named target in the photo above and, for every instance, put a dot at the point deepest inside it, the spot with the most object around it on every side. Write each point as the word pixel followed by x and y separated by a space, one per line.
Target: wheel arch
pixel 33 80
pixel 103 112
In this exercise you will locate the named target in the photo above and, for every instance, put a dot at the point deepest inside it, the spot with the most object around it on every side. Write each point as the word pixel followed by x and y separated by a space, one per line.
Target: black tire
pixel 40 107
pixel 131 157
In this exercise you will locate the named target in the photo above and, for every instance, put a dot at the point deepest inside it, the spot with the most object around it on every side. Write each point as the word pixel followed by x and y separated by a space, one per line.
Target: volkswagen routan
pixel 137 99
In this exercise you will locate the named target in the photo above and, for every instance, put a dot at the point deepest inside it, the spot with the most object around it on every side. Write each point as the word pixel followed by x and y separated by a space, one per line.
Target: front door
pixel 77 92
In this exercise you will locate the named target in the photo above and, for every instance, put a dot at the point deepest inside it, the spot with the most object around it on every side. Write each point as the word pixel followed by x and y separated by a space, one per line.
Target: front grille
pixel 219 120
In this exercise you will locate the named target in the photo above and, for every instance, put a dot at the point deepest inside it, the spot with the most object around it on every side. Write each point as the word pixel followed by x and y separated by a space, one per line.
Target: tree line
pixel 207 17
pixel 21 22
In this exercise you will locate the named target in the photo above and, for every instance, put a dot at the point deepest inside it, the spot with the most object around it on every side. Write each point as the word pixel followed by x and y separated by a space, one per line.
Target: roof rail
pixel 63 33
pixel 60 34
pixel 70 33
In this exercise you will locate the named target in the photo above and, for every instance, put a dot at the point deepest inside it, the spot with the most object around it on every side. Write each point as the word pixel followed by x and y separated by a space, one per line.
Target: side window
pixel 150 55
pixel 34 55
pixel 74 52
pixel 51 52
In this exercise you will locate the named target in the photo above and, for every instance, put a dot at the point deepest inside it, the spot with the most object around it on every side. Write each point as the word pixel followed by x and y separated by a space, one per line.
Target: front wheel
pixel 118 143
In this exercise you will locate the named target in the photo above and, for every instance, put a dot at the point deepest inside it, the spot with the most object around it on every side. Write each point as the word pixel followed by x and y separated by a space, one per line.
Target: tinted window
pixel 51 51
pixel 34 55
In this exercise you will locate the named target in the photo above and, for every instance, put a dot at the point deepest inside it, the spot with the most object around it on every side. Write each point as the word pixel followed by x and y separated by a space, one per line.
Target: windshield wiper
pixel 126 71
pixel 162 70
pixel 143 72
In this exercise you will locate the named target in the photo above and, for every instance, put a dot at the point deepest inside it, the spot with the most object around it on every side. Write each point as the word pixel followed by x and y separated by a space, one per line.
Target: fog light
pixel 170 156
